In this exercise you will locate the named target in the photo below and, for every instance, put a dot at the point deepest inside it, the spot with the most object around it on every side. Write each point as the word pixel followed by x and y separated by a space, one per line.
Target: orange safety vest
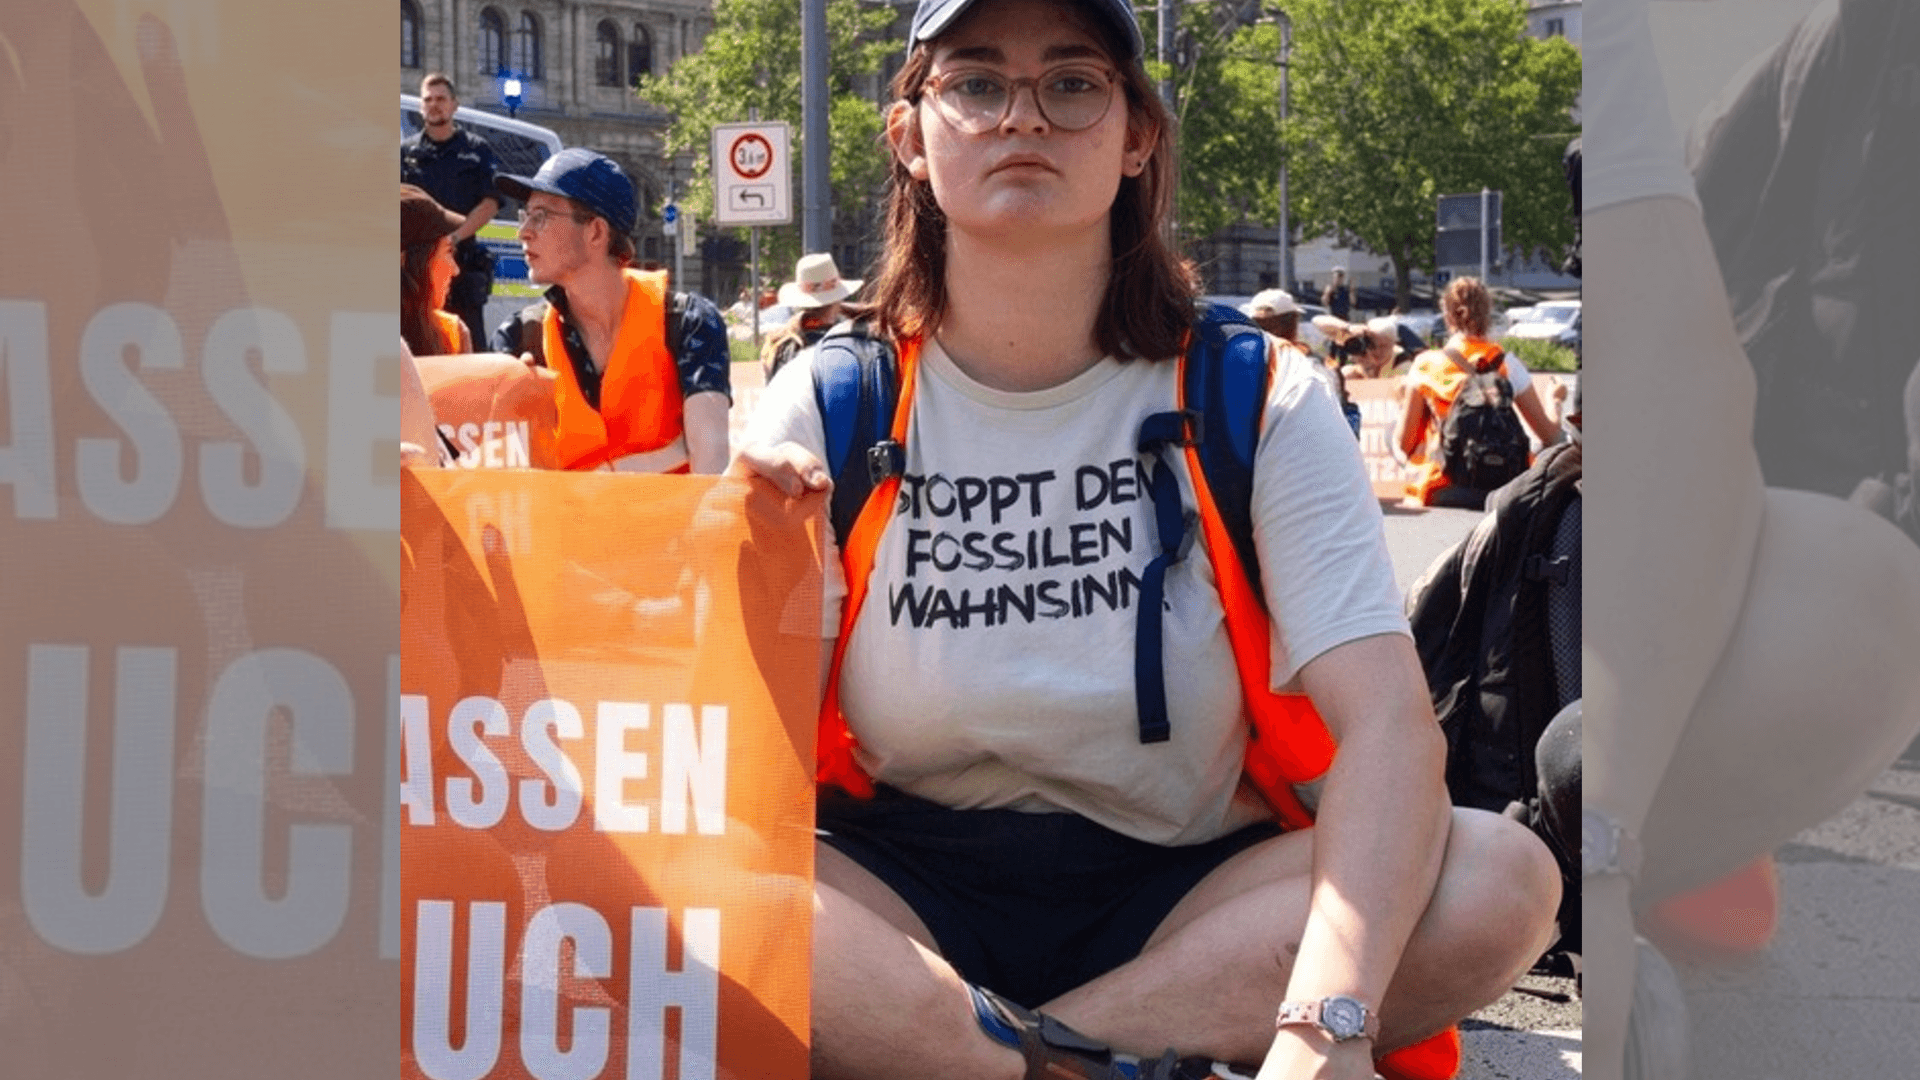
pixel 1289 742
pixel 640 402
pixel 449 326
pixel 1440 379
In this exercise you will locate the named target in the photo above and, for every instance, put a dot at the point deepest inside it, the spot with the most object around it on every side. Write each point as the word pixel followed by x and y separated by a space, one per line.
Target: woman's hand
pixel 788 466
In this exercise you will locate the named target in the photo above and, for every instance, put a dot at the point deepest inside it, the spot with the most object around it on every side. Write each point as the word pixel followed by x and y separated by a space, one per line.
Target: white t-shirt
pixel 1630 149
pixel 992 662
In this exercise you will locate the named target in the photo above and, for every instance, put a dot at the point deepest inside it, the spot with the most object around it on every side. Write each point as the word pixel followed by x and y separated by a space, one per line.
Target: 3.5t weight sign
pixel 751 155
pixel 752 174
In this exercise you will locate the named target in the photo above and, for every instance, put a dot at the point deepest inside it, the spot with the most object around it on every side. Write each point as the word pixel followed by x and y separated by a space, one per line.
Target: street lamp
pixel 510 93
pixel 1286 222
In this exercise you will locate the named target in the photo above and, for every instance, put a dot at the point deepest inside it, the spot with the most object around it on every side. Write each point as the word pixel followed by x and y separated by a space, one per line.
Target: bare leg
pixel 1213 974
pixel 885 1005
pixel 1817 693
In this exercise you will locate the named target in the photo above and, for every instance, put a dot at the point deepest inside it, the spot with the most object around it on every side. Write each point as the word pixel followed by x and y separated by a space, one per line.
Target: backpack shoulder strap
pixel 865 394
pixel 1226 373
pixel 856 385
pixel 1558 485
pixel 1492 362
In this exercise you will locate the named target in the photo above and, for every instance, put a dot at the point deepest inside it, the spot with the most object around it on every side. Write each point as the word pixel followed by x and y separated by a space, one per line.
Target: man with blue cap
pixel 642 382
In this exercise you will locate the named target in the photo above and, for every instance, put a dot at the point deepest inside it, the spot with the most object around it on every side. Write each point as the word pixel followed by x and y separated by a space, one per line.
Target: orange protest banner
pixel 608 695
pixel 497 411
pixel 199 502
pixel 1380 405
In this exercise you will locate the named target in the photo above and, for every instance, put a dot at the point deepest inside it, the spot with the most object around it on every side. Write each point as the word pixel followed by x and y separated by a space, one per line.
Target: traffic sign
pixel 669 213
pixel 1467 230
pixel 752 171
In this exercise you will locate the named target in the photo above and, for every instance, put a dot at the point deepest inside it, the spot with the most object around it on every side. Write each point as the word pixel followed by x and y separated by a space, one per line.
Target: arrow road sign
pixel 752 171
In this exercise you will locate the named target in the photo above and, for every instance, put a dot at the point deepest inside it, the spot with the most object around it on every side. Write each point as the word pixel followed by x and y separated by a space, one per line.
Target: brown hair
pixel 798 325
pixel 619 245
pixel 416 300
pixel 1150 294
pixel 1468 306
pixel 1284 326
pixel 438 78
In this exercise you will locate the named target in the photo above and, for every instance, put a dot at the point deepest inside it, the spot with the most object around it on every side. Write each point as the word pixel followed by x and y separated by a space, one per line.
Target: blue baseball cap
pixel 934 16
pixel 593 180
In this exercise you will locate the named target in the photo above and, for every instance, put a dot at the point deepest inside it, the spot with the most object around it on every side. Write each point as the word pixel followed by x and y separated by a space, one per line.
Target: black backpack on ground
pixel 1495 662
pixel 1482 444
pixel 1498 629
pixel 1497 624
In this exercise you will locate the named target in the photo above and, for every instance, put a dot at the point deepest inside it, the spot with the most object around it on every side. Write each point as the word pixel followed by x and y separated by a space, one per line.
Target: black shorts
pixel 1029 906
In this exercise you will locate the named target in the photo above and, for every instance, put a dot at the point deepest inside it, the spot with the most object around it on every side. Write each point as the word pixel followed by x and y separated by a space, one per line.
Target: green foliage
pixel 1229 115
pixel 752 60
pixel 1541 355
pixel 743 352
pixel 1396 103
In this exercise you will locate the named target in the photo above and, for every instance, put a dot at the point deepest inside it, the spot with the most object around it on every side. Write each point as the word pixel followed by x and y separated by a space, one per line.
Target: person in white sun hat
pixel 815 294
pixel 1276 312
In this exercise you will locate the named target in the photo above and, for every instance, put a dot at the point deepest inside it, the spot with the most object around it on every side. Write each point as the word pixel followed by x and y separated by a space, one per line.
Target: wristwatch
pixel 1606 848
pixel 1340 1016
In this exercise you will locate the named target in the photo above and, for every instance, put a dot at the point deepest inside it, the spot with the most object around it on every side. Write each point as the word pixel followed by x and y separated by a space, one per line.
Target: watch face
pixel 1343 1017
pixel 1596 843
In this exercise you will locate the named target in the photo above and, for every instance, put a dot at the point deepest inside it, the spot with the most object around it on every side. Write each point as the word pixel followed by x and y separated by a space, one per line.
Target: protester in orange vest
pixel 629 399
pixel 427 270
pixel 1032 862
pixel 1435 380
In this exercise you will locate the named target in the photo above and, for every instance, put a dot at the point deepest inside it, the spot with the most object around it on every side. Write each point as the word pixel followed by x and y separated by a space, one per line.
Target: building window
pixel 639 54
pixel 1556 28
pixel 526 47
pixel 493 42
pixel 606 56
pixel 409 35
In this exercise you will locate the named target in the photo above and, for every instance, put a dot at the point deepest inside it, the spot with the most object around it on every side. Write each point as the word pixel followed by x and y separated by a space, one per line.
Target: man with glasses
pixel 456 167
pixel 641 373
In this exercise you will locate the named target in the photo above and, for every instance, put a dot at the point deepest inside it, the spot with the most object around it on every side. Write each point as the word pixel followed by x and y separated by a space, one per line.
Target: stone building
pixel 577 63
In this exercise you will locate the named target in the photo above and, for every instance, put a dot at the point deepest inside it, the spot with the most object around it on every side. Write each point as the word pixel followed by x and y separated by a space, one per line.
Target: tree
pixel 1226 93
pixel 752 60
pixel 1397 103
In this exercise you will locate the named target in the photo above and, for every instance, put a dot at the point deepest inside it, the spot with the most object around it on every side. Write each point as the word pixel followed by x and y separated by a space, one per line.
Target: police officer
pixel 1337 298
pixel 456 167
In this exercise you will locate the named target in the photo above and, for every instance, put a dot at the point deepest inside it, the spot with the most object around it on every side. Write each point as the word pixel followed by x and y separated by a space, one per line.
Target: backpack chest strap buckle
pixel 885 459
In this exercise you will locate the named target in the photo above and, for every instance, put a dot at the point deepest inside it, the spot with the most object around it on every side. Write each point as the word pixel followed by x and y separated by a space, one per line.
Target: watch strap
pixel 1312 1014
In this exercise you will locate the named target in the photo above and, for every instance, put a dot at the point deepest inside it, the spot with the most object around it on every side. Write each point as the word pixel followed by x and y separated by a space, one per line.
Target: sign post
pixel 753 185
pixel 1467 231
pixel 669 218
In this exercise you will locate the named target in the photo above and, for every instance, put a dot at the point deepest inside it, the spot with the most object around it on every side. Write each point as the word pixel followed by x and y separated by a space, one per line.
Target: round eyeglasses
pixel 1071 97
pixel 536 219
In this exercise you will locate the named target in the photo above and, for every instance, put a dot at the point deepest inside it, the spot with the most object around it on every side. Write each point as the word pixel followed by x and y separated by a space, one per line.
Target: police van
pixel 518 148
